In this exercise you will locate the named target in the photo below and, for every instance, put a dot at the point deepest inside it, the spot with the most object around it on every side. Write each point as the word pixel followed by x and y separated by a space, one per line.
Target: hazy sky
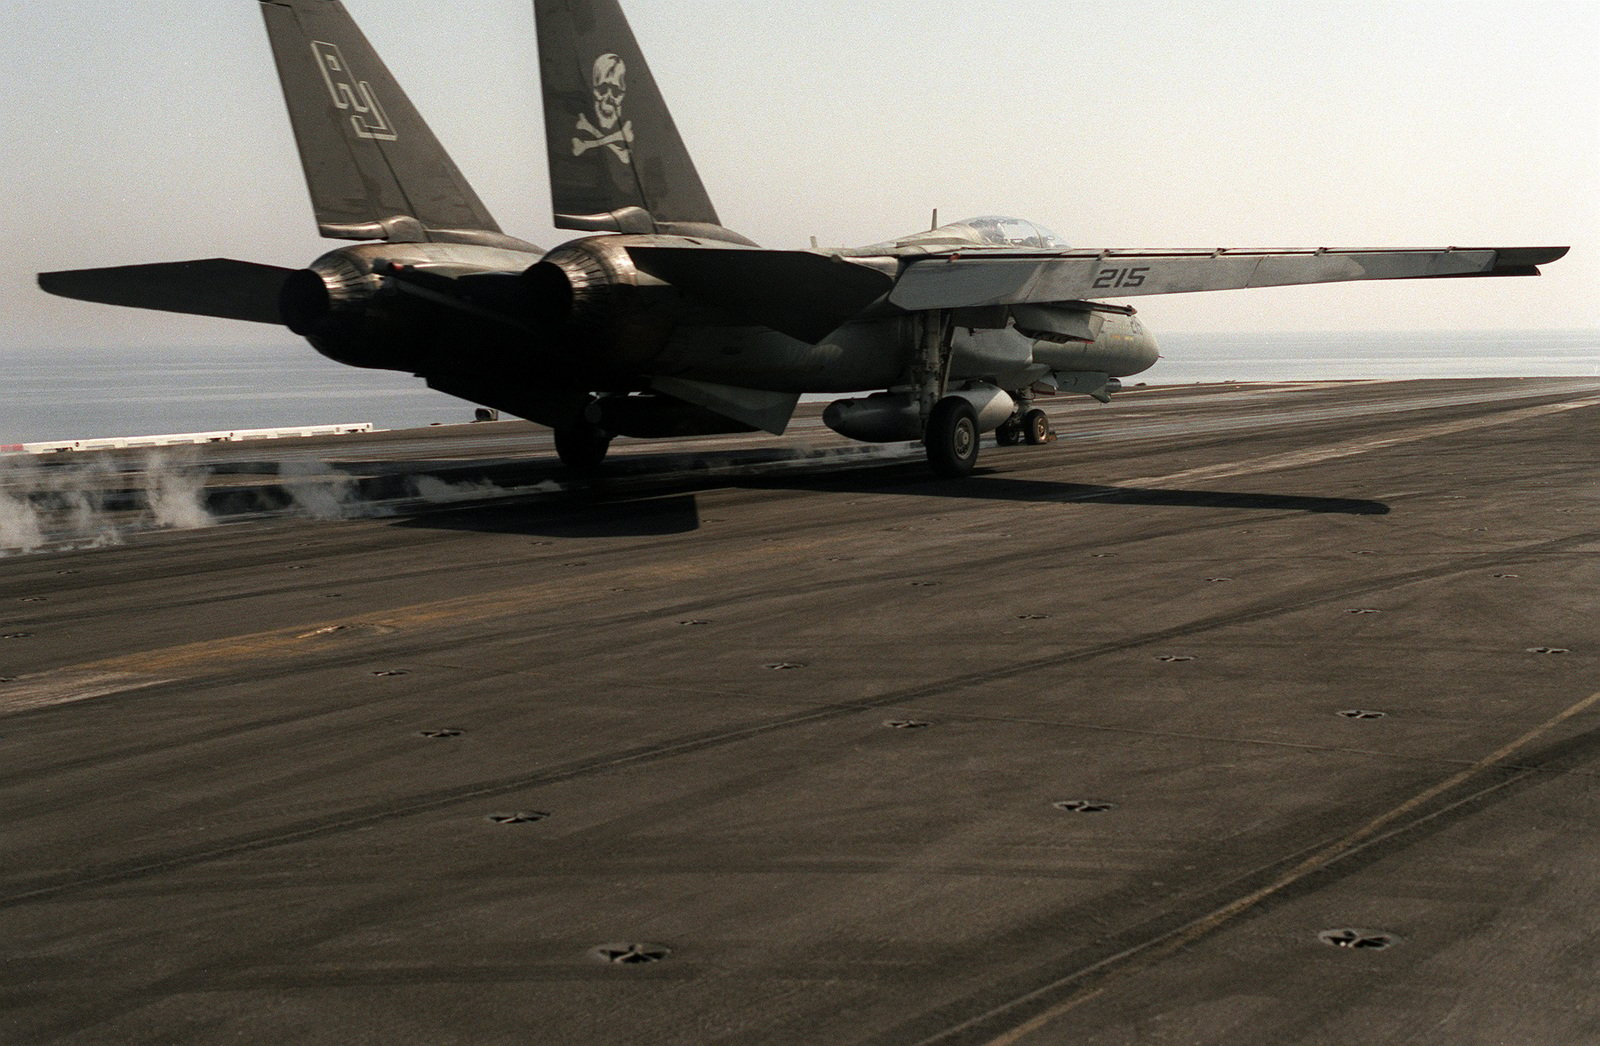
pixel 155 131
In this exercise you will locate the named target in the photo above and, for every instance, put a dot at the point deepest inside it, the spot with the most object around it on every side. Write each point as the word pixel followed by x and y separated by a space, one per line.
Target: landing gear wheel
pixel 1009 434
pixel 582 447
pixel 952 438
pixel 1036 427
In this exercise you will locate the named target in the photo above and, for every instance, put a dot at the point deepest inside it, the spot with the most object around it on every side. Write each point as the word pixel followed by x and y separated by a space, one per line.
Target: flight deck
pixel 1246 714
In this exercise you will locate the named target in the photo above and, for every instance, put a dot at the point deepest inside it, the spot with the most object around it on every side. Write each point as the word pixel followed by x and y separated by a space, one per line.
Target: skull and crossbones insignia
pixel 610 82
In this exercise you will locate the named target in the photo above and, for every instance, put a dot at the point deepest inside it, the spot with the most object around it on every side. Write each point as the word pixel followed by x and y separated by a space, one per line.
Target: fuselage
pixel 537 333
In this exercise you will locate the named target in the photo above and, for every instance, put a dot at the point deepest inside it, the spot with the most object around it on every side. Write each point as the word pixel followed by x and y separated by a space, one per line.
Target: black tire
pixel 1009 434
pixel 1036 427
pixel 951 438
pixel 582 447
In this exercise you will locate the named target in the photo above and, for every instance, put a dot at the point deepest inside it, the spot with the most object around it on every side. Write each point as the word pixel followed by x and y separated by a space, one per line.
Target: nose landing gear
pixel 1033 427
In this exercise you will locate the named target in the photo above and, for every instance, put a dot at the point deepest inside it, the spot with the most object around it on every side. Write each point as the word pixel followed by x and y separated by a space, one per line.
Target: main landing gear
pixel 950 423
pixel 951 437
pixel 955 419
pixel 582 445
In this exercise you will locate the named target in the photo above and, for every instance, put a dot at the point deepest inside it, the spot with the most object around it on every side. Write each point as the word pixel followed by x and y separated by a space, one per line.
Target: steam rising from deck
pixel 86 501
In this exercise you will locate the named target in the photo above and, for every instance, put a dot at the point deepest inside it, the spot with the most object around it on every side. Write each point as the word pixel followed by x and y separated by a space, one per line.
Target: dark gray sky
pixel 155 131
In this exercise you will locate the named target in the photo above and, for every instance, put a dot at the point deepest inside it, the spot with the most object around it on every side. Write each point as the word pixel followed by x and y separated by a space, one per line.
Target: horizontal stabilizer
pixel 983 278
pixel 802 294
pixel 232 290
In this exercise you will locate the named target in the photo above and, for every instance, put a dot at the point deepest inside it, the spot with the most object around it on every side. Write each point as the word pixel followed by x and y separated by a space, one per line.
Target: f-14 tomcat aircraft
pixel 659 321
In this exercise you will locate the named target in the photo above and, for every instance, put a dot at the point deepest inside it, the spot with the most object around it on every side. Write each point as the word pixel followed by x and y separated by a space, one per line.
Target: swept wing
pixel 983 277
pixel 808 294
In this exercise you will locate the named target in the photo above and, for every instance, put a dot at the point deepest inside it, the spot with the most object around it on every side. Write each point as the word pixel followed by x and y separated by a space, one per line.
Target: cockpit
pixel 986 231
pixel 999 231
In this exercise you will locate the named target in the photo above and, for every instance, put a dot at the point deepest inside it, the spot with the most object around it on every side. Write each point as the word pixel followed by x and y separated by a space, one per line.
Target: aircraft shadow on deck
pixel 576 514
pixel 856 471
pixel 643 504
pixel 1031 491
pixel 1037 491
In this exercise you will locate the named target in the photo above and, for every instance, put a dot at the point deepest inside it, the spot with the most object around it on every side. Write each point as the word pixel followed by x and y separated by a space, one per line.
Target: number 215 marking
pixel 1110 278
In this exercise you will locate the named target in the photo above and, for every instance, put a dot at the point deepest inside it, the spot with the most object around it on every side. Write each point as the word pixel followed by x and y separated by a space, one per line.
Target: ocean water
pixel 88 394
pixel 98 393
pixel 1328 355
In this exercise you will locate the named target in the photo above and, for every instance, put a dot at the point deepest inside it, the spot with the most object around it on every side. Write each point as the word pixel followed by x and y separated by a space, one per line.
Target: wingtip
pixel 1527 257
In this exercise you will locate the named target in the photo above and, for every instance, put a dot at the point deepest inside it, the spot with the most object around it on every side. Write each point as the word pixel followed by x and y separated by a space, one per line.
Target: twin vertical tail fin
pixel 374 169
pixel 617 162
pixel 376 172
